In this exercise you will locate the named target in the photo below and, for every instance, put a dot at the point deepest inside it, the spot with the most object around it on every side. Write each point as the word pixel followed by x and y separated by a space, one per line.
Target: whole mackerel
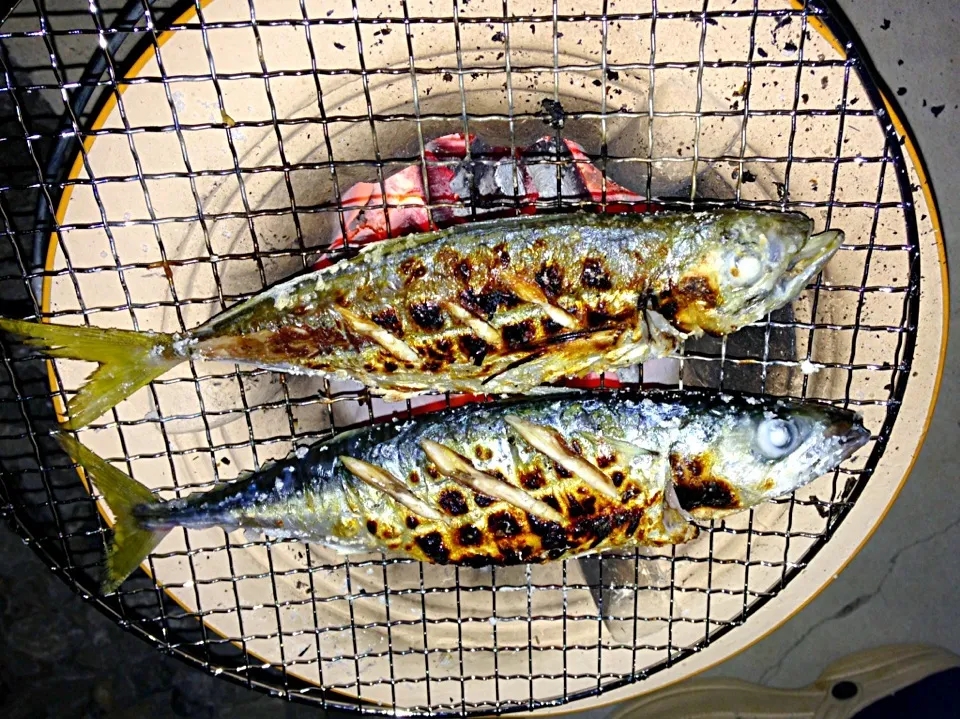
pixel 487 307
pixel 507 483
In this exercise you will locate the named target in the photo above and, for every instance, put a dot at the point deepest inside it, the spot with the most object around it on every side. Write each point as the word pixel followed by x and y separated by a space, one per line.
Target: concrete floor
pixel 901 587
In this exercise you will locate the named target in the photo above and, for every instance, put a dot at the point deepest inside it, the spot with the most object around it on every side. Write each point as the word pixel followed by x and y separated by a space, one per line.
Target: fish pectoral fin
pixel 567 355
pixel 678 524
pixel 660 331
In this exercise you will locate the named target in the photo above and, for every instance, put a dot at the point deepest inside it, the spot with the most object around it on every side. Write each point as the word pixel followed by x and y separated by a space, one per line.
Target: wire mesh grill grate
pixel 159 165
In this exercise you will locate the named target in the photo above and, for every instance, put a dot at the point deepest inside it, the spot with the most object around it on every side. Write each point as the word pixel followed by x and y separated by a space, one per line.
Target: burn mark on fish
pixel 665 305
pixel 503 256
pixel 549 326
pixel 562 471
pixel 503 524
pixel 600 316
pixel 595 275
pixel 412 522
pixel 412 268
pixel 617 478
pixel 427 315
pixel 452 502
pixel 698 289
pixel 432 365
pixel 471 301
pixel 432 471
pixel 519 334
pixel 389 320
pixel 550 279
pixel 684 469
pixel 433 546
pixel 292 342
pixel 577 509
pixel 594 530
pixel 604 460
pixel 696 486
pixel 469 536
pixel 714 494
pixel 482 500
pixel 510 556
pixel 372 526
pixel 463 269
pixel 552 535
pixel 551 501
pixel 390 366
pixel 474 348
pixel 575 446
pixel 482 453
pixel 488 301
pixel 694 292
pixel 532 478
pixel 441 350
pixel 597 337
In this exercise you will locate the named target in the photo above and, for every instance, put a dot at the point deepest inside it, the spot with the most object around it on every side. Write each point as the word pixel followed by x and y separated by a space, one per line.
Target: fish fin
pixel 131 543
pixel 128 361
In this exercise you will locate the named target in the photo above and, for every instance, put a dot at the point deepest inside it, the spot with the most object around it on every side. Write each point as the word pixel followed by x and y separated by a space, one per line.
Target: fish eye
pixel 776 438
pixel 744 269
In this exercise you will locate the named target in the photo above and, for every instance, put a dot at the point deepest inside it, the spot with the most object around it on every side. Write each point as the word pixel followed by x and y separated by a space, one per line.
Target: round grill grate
pixel 165 160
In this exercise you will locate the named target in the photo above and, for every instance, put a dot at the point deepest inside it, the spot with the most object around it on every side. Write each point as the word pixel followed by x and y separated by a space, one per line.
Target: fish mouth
pixel 809 261
pixel 853 439
pixel 849 434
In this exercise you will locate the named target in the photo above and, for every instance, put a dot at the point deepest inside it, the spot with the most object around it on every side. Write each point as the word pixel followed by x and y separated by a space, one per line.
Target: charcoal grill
pixel 163 160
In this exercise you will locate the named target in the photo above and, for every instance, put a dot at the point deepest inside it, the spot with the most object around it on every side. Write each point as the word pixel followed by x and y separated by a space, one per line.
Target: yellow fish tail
pixel 131 543
pixel 128 361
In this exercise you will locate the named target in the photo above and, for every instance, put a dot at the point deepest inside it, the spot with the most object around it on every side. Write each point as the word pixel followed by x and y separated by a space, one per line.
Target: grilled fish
pixel 487 308
pixel 506 483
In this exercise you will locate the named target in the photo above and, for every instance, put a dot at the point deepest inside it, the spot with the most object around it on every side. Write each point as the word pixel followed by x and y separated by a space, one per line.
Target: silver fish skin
pixel 525 481
pixel 491 307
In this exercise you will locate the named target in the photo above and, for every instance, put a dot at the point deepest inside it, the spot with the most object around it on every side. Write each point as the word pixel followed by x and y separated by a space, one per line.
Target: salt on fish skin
pixel 507 483
pixel 490 307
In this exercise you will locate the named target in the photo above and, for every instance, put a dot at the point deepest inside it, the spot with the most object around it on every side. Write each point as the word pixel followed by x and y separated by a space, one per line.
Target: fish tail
pixel 131 543
pixel 128 361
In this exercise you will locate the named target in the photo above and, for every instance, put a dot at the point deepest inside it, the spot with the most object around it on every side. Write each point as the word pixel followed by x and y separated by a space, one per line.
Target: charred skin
pixel 650 452
pixel 485 308
pixel 499 306
pixel 698 489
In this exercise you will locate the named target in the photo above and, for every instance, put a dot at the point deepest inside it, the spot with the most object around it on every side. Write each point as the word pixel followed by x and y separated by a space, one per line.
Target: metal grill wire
pixel 47 108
